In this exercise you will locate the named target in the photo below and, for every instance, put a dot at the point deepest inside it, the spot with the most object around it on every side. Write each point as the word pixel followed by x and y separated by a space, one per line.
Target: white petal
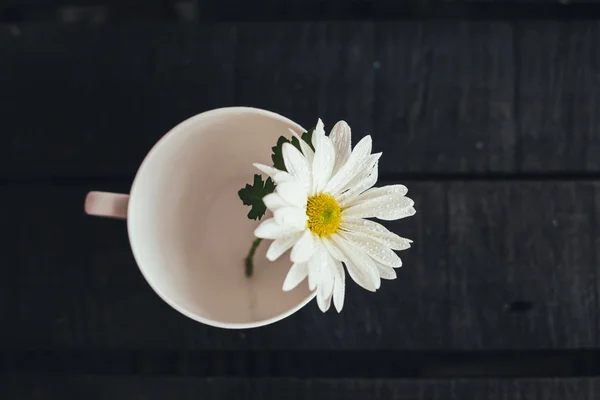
pixel 296 274
pixel 290 218
pixel 332 249
pixel 363 181
pixel 292 192
pixel 327 277
pixel 385 272
pixel 375 231
pixel 359 276
pixel 270 229
pixel 408 213
pixel 277 175
pixel 296 165
pixel 273 201
pixel 323 302
pixel 271 171
pixel 373 193
pixel 361 267
pixel 305 147
pixel 387 207
pixel 325 286
pixel 323 162
pixel 341 138
pixel 362 185
pixel 304 248
pixel 315 264
pixel 281 245
pixel 339 286
pixel 355 164
pixel 374 249
pixel 318 132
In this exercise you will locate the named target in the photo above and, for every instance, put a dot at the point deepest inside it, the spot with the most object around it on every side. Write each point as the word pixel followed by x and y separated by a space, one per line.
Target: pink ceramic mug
pixel 188 229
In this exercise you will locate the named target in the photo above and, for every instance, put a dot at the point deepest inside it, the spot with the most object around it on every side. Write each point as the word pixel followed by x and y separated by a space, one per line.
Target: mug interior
pixel 188 228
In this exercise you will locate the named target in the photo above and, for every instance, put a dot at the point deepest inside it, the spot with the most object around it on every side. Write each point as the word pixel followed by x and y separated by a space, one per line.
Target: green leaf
pixel 277 155
pixel 252 195
pixel 296 143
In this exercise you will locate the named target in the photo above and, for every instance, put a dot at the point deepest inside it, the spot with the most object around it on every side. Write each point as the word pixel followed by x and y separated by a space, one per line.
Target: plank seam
pixel 315 364
pixel 228 12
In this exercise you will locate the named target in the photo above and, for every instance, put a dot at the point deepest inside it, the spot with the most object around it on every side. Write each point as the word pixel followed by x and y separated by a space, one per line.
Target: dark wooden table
pixel 489 111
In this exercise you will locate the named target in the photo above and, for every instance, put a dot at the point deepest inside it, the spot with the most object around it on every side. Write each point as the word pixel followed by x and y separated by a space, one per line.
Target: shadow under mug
pixel 188 229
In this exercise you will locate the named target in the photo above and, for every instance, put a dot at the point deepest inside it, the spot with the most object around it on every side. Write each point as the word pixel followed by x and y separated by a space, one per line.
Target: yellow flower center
pixel 324 214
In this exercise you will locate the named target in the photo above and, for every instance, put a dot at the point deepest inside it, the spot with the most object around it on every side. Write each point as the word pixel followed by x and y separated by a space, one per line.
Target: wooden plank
pixel 94 11
pixel 438 94
pixel 78 3
pixel 563 3
pixel 275 7
pixel 99 285
pixel 325 364
pixel 354 80
pixel 303 71
pixel 479 248
pixel 558 99
pixel 444 97
pixel 420 95
pixel 389 9
pixel 510 247
pixel 297 10
pixel 99 113
pixel 130 387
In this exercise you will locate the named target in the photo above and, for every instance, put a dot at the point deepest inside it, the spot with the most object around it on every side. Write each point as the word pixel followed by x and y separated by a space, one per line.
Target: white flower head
pixel 320 208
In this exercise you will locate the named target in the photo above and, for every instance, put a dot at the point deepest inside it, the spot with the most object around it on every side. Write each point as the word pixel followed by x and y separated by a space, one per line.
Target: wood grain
pixel 150 388
pixel 98 11
pixel 493 230
pixel 105 95
pixel 444 97
pixel 438 97
pixel 83 3
pixel 91 100
pixel 560 69
pixel 479 247
pixel 294 6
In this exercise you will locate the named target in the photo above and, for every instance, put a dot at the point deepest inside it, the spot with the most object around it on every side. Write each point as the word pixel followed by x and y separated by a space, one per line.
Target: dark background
pixel 488 111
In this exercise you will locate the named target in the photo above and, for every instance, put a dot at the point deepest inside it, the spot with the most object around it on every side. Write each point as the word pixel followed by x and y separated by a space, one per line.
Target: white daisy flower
pixel 320 208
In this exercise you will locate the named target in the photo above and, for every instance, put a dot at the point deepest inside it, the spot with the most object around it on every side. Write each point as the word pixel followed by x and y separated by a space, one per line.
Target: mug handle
pixel 106 204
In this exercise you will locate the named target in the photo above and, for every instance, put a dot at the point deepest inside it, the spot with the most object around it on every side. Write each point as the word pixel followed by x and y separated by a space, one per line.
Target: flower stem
pixel 250 256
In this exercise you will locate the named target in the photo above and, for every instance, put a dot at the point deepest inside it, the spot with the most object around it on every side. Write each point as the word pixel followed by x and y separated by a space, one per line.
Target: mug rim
pixel 154 150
